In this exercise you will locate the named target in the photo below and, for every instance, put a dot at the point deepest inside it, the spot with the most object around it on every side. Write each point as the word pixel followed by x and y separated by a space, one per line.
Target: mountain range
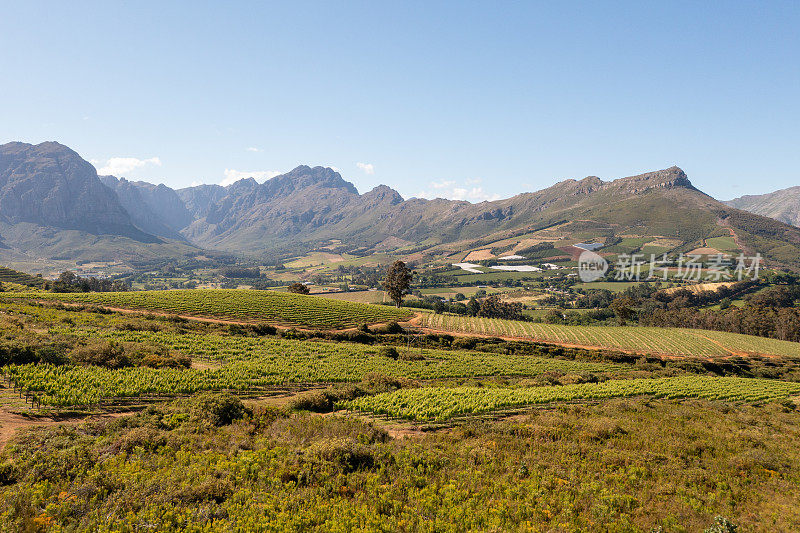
pixel 53 205
pixel 783 205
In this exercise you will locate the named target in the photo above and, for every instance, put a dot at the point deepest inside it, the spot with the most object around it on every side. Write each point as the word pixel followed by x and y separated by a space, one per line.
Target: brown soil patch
pixel 705 251
pixel 11 422
pixel 479 255
pixel 664 243
pixel 699 287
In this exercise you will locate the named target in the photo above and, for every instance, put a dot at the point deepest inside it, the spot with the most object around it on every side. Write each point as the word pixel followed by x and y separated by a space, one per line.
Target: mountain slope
pixel 313 205
pixel 156 209
pixel 782 205
pixel 51 185
pixel 54 206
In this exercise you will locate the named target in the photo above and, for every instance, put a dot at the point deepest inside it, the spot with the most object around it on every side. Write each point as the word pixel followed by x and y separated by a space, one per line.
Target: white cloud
pixel 368 168
pixel 232 176
pixel 447 189
pixel 254 149
pixel 196 183
pixel 335 169
pixel 118 166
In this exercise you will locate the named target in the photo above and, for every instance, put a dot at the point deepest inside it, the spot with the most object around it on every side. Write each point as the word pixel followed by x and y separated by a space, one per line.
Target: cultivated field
pixel 438 403
pixel 650 340
pixel 252 363
pixel 240 305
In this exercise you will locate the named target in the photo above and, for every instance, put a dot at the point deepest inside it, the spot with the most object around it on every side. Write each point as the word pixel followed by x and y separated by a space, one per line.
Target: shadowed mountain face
pixel 783 205
pixel 54 206
pixel 156 209
pixel 50 186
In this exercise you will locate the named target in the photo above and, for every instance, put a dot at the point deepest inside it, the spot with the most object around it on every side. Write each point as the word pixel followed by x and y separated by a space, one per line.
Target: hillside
pixel 8 275
pixel 783 205
pixel 243 306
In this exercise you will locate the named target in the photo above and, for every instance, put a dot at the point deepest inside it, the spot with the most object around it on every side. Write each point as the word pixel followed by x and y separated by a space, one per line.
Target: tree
pixel 493 307
pixel 299 288
pixel 473 307
pixel 398 282
pixel 623 307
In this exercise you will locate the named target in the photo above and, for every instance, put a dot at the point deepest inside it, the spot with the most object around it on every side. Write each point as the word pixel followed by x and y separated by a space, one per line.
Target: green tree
pixel 299 288
pixel 473 307
pixel 398 282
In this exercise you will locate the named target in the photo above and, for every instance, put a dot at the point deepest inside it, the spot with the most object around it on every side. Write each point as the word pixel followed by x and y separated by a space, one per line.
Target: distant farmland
pixel 650 340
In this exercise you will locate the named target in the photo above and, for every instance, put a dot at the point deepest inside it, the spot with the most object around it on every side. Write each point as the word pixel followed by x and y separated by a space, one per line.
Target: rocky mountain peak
pixel 49 184
pixel 668 178
pixel 383 193
pixel 304 176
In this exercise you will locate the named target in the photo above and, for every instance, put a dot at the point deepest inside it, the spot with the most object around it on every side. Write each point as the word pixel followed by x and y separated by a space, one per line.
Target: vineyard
pixel 436 403
pixel 249 364
pixel 651 340
pixel 240 305
pixel 8 275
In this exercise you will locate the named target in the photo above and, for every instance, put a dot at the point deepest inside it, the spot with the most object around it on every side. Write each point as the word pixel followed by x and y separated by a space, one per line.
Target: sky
pixel 465 100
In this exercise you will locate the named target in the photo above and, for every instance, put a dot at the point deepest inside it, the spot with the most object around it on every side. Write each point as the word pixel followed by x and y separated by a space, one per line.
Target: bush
pixel 389 351
pixel 315 401
pixel 217 408
pixel 376 383
pixel 393 328
pixel 411 355
pixel 110 354
pixel 325 401
pixel 347 453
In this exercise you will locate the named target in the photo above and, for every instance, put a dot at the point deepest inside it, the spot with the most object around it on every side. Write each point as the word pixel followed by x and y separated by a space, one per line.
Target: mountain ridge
pixel 309 206
pixel 782 205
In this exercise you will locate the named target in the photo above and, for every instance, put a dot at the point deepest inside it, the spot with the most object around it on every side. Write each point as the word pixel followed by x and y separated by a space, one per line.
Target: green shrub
pixel 217 408
pixel 389 351
pixel 347 453
pixel 411 355
pixel 109 354
pixel 316 401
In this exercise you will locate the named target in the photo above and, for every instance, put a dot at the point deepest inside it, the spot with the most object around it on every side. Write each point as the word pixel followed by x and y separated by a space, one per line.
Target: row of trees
pixel 68 281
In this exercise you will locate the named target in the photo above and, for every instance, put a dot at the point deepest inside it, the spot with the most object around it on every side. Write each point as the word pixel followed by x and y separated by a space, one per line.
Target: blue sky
pixel 464 99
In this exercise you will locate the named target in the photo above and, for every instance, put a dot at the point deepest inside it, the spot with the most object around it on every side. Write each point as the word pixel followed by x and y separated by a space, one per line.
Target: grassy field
pixel 317 259
pixel 240 305
pixel 650 340
pixel 437 403
pixel 613 286
pixel 723 244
